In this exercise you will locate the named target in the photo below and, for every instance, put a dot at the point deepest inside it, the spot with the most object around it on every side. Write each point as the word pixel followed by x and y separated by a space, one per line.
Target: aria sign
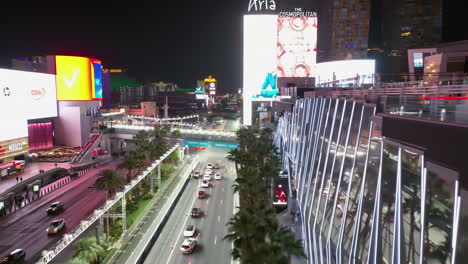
pixel 259 5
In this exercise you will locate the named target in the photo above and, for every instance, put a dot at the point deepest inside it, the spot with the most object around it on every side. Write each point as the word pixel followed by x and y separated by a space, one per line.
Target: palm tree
pixel 130 163
pixel 108 181
pixel 88 250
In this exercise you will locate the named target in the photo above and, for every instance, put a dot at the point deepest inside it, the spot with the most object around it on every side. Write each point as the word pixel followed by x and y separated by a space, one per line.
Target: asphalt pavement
pixel 211 228
pixel 26 228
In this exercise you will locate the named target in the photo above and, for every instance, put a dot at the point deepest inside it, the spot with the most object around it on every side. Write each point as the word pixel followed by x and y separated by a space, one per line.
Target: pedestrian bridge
pixel 192 134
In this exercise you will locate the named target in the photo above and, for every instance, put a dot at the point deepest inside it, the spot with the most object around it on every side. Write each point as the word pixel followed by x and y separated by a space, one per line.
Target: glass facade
pixel 365 198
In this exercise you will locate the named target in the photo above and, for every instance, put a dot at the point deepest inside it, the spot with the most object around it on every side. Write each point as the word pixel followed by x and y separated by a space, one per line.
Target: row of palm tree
pixel 254 229
pixel 149 146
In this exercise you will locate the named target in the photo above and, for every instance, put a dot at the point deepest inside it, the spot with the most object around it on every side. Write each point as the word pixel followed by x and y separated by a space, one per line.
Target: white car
pixel 205 184
pixel 217 176
pixel 189 231
pixel 188 245
pixel 207 177
pixel 209 165
pixel 208 171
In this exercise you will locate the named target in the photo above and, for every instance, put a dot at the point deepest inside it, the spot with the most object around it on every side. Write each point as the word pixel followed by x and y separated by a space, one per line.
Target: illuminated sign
pixel 97 73
pixel 200 90
pixel 201 96
pixel 13 147
pixel 24 96
pixel 113 70
pixel 260 60
pixel 210 79
pixel 346 71
pixel 280 196
pixel 259 5
pixel 297 46
pixel 74 78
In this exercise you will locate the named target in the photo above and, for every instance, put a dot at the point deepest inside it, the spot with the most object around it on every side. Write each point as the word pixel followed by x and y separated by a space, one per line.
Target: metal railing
pixel 68 239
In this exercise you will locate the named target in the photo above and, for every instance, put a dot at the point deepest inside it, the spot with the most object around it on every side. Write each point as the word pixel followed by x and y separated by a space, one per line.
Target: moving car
pixel 208 171
pixel 196 174
pixel 216 166
pixel 16 256
pixel 56 226
pixel 207 177
pixel 188 245
pixel 209 165
pixel 202 195
pixel 196 212
pixel 55 208
pixel 205 184
pixel 189 231
pixel 217 176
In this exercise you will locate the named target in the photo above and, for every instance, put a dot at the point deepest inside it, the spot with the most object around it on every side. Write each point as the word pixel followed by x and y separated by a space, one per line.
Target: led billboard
pixel 297 46
pixel 345 71
pixel 260 60
pixel 74 78
pixel 97 81
pixel 27 95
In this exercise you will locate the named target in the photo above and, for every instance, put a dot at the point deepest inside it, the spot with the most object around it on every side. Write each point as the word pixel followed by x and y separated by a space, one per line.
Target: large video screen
pixel 260 60
pixel 74 78
pixel 97 73
pixel 297 46
pixel 346 71
pixel 27 95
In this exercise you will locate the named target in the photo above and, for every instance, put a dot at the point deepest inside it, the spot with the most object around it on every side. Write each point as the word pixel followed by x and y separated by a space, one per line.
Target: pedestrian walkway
pixel 292 218
pixel 30 170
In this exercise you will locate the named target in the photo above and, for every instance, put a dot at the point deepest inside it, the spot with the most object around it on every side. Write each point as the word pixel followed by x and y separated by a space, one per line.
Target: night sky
pixel 178 41
pixel 174 41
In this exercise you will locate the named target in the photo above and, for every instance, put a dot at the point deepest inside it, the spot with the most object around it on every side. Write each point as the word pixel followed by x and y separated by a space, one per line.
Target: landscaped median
pixel 136 189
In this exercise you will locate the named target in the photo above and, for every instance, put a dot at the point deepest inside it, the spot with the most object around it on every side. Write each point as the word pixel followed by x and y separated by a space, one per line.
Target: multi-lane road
pixel 26 228
pixel 211 228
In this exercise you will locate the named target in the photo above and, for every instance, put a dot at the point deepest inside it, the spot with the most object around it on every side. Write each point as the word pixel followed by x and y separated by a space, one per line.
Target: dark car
pixel 16 256
pixel 202 195
pixel 196 212
pixel 55 208
pixel 56 227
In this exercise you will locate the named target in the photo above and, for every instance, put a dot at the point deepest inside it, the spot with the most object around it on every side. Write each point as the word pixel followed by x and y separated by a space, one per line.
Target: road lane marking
pixel 178 236
pixel 216 237
pixel 221 201
pixel 219 217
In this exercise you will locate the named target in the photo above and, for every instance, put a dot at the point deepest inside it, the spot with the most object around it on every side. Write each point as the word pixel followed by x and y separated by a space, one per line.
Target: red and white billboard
pixel 297 46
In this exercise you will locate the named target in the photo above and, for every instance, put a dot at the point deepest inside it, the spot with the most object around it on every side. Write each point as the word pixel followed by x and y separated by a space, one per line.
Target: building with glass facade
pixel 375 188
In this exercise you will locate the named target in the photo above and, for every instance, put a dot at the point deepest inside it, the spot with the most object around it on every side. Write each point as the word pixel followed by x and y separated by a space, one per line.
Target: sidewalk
pixel 30 170
pixel 294 222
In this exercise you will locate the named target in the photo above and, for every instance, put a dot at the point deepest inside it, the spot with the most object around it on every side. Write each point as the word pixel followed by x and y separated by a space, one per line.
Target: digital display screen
pixel 260 60
pixel 418 60
pixel 297 46
pixel 97 69
pixel 74 78
pixel 346 69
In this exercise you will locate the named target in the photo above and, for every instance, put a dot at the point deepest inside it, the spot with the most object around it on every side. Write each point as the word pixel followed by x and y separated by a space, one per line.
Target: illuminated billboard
pixel 97 80
pixel 74 78
pixel 297 46
pixel 345 72
pixel 260 60
pixel 27 95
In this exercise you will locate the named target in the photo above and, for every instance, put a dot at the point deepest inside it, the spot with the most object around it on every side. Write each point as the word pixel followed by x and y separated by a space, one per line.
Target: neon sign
pixel 210 79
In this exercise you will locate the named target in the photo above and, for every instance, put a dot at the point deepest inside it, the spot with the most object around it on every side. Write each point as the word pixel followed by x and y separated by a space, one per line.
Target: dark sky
pixel 178 41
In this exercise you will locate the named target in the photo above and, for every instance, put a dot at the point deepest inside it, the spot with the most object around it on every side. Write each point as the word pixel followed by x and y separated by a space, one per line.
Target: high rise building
pixel 404 24
pixel 343 29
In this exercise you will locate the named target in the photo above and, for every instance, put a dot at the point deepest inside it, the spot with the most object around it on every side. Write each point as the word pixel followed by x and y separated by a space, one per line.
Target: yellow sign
pixel 73 78
pixel 210 79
